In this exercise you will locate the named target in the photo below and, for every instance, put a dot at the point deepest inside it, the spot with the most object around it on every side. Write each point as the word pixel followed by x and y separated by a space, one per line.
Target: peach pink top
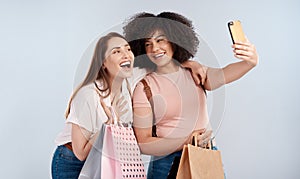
pixel 179 105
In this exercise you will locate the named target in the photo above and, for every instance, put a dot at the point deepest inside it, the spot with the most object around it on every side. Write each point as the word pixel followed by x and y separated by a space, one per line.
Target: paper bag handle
pixel 209 145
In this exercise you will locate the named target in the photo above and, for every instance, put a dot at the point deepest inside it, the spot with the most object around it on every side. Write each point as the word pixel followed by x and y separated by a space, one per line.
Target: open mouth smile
pixel 125 64
pixel 157 56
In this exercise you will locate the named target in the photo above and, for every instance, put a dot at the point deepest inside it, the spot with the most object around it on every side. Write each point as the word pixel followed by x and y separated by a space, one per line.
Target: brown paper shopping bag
pixel 200 163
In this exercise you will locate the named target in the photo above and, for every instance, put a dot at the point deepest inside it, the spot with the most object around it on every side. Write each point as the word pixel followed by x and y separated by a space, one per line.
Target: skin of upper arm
pixel 215 79
pixel 142 123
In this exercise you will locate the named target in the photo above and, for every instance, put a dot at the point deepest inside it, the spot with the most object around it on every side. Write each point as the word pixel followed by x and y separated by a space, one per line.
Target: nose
pixel 125 53
pixel 155 47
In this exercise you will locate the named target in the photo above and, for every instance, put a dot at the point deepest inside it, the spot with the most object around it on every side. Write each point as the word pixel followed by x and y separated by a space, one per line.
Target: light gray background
pixel 41 43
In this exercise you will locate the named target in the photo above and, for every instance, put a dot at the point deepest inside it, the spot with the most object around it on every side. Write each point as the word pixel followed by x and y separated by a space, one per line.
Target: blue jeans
pixel 159 167
pixel 65 164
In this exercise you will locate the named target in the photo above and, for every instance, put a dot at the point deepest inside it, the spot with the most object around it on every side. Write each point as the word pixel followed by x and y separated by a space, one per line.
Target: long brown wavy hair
pixel 96 70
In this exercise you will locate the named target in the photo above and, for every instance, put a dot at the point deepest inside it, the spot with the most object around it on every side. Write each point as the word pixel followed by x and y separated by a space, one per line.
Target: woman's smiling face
pixel 119 58
pixel 159 49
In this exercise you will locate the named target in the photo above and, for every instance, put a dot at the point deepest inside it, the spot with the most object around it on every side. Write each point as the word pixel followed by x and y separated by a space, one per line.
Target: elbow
pixel 143 150
pixel 80 155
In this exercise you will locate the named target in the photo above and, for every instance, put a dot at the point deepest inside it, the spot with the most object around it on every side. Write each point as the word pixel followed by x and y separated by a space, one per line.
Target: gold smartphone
pixel 236 31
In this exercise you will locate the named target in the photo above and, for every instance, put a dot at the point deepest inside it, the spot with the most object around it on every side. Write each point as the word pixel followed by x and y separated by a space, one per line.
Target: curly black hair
pixel 177 28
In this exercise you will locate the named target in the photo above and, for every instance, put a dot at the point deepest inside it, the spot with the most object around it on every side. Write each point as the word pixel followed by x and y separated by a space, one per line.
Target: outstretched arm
pixel 245 51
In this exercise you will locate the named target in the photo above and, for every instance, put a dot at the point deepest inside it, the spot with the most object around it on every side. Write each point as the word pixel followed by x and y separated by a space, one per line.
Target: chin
pixel 126 74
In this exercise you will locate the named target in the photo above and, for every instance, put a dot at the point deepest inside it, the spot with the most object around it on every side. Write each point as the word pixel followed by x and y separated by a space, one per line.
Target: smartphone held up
pixel 236 31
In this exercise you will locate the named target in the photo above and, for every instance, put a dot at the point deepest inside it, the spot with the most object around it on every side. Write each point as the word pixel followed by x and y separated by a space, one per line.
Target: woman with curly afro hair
pixel 177 106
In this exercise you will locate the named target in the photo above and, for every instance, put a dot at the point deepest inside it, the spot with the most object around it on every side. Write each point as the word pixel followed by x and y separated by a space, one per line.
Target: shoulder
pixel 86 94
pixel 186 72
pixel 137 75
pixel 147 80
pixel 140 87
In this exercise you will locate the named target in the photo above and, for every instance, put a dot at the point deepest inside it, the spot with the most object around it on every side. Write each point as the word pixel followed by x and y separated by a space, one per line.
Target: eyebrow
pixel 161 35
pixel 118 47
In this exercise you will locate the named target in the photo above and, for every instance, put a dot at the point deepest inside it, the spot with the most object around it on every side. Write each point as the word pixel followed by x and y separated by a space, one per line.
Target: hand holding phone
pixel 236 31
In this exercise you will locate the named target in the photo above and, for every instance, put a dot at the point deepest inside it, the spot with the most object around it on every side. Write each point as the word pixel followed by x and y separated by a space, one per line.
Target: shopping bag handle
pixel 209 145
pixel 116 120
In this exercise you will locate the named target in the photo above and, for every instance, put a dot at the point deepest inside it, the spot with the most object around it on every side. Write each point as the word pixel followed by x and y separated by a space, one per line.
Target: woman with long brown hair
pixel 104 86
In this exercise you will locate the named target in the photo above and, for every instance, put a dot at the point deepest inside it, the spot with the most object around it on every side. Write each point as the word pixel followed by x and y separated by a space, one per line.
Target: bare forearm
pixel 217 77
pixel 81 142
pixel 82 152
pixel 236 70
pixel 161 146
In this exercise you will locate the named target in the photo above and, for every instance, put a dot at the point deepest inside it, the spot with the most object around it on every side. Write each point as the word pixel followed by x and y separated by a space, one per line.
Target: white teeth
pixel 158 55
pixel 125 64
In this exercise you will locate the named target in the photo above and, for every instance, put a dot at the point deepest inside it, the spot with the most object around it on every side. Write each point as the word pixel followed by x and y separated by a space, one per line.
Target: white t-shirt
pixel 87 112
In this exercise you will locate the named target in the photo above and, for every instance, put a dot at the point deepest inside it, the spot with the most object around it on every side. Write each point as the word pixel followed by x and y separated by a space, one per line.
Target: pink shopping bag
pixel 115 155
